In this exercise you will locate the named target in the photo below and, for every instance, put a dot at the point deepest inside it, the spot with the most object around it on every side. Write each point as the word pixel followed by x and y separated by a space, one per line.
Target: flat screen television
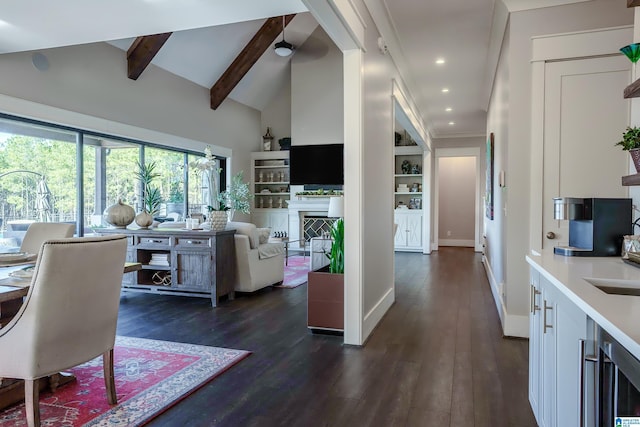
pixel 317 164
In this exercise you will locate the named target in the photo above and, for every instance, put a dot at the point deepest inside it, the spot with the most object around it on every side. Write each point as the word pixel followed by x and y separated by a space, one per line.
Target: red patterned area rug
pixel 295 273
pixel 151 376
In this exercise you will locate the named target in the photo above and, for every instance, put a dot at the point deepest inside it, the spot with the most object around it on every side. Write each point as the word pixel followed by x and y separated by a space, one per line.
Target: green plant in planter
pixel 236 197
pixel 151 196
pixel 630 139
pixel 336 255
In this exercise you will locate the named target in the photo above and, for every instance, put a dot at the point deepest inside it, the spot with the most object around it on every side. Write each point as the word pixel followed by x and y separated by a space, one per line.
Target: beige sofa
pixel 259 263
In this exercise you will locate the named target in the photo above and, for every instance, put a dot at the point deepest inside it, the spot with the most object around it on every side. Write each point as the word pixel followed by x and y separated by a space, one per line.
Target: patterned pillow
pixel 263 235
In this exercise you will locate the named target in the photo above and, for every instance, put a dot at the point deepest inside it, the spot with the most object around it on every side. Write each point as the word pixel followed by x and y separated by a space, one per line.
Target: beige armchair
pixel 38 232
pixel 69 315
pixel 259 263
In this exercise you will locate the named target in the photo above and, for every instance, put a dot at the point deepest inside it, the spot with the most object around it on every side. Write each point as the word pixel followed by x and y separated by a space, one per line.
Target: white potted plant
pixel 237 196
pixel 208 167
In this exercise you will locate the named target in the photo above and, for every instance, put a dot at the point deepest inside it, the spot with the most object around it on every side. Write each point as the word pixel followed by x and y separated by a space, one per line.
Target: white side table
pixel 319 247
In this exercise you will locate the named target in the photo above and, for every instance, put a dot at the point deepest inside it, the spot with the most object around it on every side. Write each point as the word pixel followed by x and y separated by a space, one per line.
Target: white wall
pixel 316 92
pixel 473 142
pixel 368 135
pixel 494 230
pixel 88 87
pixel 277 114
pixel 509 117
pixel 456 201
pixel 377 179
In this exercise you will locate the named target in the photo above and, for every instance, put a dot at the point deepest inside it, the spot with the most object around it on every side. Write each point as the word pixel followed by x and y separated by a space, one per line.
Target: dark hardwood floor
pixel 436 359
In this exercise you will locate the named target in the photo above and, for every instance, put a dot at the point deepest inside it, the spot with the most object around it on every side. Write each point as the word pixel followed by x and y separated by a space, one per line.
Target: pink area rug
pixel 295 274
pixel 151 376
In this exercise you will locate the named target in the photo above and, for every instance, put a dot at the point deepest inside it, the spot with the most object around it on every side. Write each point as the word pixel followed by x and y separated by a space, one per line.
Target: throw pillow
pixel 263 235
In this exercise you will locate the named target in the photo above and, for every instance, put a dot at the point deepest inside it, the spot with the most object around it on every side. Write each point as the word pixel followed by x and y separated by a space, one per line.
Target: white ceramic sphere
pixel 119 215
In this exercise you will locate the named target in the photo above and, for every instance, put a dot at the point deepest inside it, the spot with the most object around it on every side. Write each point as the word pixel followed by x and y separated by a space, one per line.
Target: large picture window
pixel 40 177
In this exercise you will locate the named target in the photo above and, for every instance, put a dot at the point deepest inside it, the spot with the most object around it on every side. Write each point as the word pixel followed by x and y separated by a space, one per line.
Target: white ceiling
pixel 202 55
pixel 207 35
pixel 457 31
pixel 41 24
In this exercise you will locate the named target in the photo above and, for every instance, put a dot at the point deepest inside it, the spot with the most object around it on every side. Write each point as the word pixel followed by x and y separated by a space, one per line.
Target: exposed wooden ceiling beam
pixel 142 51
pixel 260 42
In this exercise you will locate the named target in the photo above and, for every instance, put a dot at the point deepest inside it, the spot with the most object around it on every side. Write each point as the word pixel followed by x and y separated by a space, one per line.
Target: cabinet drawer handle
pixel 544 320
pixel 194 242
pixel 533 292
pixel 154 241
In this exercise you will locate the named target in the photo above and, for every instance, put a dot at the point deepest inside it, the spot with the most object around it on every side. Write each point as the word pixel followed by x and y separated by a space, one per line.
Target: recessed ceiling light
pixel 440 61
pixel 452 123
pixel 445 90
pixel 448 109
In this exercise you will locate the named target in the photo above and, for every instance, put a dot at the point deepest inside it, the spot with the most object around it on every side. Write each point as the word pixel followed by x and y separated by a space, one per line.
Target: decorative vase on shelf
pixel 632 52
pixel 119 215
pixel 144 219
pixel 218 220
pixel 635 156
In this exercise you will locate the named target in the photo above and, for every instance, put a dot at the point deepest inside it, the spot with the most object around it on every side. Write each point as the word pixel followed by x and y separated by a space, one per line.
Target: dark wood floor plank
pixel 436 359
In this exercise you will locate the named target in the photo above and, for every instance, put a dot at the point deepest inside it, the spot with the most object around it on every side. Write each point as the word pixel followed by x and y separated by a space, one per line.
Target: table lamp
pixel 336 207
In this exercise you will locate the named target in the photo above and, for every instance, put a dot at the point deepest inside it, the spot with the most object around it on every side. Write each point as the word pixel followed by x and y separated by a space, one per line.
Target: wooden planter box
pixel 325 300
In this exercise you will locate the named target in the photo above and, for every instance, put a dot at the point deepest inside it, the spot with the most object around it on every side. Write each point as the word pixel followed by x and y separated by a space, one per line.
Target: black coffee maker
pixel 596 225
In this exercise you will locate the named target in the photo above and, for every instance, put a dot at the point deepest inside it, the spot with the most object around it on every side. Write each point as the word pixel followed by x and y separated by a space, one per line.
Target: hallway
pixel 436 359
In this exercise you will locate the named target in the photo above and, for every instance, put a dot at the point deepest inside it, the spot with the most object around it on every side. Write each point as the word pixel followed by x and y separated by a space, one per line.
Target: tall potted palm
pixel 151 196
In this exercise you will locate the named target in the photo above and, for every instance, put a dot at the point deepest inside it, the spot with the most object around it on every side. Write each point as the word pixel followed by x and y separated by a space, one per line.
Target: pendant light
pixel 283 48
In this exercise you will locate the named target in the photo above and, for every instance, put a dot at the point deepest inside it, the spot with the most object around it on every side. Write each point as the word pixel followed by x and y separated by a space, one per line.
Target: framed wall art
pixel 488 200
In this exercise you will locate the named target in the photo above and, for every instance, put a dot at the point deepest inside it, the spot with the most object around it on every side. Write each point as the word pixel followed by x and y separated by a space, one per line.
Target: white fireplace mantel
pixel 318 206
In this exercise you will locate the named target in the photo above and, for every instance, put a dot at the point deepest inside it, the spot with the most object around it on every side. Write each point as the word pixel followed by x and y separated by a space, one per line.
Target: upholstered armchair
pixel 38 232
pixel 69 315
pixel 259 263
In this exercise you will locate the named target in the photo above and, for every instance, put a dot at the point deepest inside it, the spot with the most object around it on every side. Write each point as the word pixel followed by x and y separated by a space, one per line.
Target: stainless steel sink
pixel 616 286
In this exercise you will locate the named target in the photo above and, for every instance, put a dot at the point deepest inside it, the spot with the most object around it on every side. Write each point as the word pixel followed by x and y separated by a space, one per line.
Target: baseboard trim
pixel 513 325
pixel 373 317
pixel 456 242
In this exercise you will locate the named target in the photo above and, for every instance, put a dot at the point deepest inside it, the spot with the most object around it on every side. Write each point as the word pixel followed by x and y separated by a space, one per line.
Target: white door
pixel 584 116
pixel 400 240
pixel 414 233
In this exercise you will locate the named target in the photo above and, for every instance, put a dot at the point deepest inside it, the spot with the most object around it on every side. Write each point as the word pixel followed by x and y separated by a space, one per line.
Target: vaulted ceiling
pixel 207 36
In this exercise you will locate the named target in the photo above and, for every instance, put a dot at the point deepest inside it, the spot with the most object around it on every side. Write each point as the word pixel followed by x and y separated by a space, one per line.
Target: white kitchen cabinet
pixel 571 329
pixel 409 233
pixel 556 328
pixel 535 343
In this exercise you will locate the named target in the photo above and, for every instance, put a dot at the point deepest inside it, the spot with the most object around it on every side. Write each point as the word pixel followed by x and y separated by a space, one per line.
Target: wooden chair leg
pixel 31 402
pixel 109 378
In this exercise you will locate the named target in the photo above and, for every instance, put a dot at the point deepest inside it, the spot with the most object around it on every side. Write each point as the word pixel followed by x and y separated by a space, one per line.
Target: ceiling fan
pixel 283 47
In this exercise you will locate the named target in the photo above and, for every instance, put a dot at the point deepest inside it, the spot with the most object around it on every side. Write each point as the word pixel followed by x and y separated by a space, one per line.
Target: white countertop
pixel 617 314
